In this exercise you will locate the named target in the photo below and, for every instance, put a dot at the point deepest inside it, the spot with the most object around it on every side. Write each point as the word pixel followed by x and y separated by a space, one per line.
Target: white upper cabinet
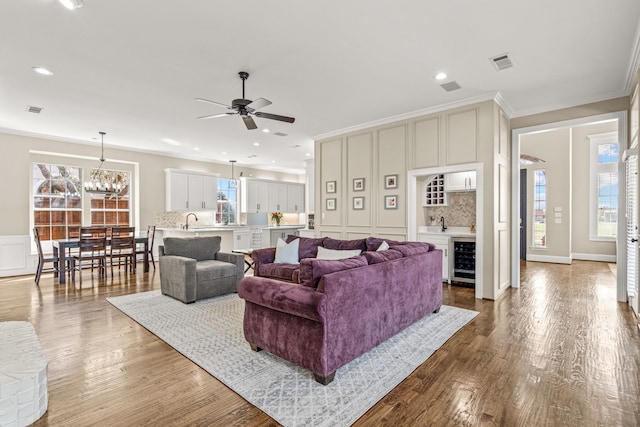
pixel 190 191
pixel 263 196
pixel 460 181
pixel 295 198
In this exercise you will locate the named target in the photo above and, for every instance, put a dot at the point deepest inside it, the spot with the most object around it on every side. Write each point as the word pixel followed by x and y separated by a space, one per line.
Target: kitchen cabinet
pixel 295 198
pixel 242 239
pixel 256 197
pixel 277 196
pixel 460 181
pixel 187 191
pixel 264 196
pixel 441 242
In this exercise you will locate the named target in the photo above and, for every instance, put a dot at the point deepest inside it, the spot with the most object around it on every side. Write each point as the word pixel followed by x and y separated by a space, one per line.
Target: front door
pixel 632 231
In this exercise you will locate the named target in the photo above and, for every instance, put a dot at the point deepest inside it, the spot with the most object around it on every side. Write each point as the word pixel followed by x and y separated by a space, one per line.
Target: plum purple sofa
pixel 322 314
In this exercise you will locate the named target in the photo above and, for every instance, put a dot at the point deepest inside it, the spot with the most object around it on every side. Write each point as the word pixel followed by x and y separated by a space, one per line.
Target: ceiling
pixel 133 68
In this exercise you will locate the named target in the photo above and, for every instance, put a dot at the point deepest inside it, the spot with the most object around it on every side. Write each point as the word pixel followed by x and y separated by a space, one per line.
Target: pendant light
pixel 103 181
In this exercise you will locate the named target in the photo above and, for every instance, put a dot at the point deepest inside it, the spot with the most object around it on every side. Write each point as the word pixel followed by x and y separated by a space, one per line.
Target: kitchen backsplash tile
pixel 169 219
pixel 460 212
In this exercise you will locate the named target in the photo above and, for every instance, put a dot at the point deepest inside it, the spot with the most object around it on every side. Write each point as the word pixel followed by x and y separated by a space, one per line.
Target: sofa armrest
pixel 178 277
pixel 235 259
pixel 285 297
pixel 262 256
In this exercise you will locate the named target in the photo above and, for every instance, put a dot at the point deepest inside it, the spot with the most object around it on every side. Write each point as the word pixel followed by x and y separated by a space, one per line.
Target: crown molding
pixel 634 62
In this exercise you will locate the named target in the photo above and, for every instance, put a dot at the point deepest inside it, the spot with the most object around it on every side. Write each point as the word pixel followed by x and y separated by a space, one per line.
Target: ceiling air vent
pixel 450 86
pixel 280 134
pixel 34 110
pixel 502 62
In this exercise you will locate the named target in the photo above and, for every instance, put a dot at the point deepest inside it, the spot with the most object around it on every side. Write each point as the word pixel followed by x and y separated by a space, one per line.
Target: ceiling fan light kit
pixel 246 108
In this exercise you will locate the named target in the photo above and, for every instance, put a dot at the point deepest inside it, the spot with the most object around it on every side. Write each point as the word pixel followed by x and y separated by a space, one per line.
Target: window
pixel 227 201
pixel 57 200
pixel 604 186
pixel 539 208
pixel 112 209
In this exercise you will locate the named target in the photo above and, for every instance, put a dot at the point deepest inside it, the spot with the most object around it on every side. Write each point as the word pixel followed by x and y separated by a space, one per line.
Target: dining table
pixel 60 252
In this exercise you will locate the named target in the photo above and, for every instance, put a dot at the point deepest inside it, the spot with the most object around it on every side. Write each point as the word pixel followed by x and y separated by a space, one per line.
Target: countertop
pixel 450 231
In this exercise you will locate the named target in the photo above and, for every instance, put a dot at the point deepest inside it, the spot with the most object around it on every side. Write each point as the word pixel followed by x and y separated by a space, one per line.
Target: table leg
pixel 145 263
pixel 62 263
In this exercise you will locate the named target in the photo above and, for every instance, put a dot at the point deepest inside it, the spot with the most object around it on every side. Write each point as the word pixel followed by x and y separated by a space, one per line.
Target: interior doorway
pixel 620 254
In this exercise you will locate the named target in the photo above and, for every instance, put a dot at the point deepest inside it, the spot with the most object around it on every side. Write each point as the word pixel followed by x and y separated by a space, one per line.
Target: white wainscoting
pixel 15 256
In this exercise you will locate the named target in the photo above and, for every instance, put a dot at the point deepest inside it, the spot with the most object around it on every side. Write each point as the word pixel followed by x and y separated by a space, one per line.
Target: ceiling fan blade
pixel 275 117
pixel 213 102
pixel 214 116
pixel 249 123
pixel 257 104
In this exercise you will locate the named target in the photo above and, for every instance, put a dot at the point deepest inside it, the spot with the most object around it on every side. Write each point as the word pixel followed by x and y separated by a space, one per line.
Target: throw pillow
pixel 287 253
pixel 334 254
pixel 383 246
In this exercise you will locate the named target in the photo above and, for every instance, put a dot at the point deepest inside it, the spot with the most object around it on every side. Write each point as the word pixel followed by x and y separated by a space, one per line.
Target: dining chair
pixel 122 246
pixel 41 258
pixel 92 246
pixel 151 235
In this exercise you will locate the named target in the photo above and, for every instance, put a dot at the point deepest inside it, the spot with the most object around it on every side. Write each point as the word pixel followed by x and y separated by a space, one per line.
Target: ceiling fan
pixel 246 108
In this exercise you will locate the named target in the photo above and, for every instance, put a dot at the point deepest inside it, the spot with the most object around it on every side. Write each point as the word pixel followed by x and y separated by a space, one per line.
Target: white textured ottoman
pixel 23 375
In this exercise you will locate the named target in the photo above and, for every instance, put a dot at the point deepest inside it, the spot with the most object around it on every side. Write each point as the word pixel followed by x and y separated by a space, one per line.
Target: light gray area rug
pixel 209 332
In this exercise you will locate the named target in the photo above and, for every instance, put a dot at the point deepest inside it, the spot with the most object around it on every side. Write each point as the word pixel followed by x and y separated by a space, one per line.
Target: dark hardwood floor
pixel 559 351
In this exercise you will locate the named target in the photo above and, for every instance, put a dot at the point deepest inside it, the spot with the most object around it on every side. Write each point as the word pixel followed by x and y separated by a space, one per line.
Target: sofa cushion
pixel 343 245
pixel 287 253
pixel 373 243
pixel 375 257
pixel 312 269
pixel 280 271
pixel 198 248
pixel 308 245
pixel 324 253
pixel 412 248
pixel 210 270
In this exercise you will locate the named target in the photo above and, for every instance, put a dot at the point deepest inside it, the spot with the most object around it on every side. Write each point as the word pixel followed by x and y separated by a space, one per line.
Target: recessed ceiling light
pixel 72 4
pixel 273 161
pixel 43 71
pixel 308 154
pixel 196 148
pixel 224 153
pixel 266 130
pixel 440 76
pixel 171 141
pixel 256 144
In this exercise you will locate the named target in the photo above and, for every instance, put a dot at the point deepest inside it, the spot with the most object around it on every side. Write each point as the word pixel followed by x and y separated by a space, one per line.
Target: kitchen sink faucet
pixel 444 227
pixel 186 227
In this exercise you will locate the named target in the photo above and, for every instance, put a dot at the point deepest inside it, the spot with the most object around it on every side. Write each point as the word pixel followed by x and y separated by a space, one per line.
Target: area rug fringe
pixel 209 333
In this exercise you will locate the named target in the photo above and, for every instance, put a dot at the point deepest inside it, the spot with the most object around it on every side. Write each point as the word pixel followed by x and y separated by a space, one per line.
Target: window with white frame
pixel 603 213
pixel 539 228
pixel 227 201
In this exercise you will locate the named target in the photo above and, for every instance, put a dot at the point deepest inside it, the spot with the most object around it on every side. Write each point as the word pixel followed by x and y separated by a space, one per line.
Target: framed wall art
pixel 331 204
pixel 358 203
pixel 390 181
pixel 358 184
pixel 331 187
pixel 391 202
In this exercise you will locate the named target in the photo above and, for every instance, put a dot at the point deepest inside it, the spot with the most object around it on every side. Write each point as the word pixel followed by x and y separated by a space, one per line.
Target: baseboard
pixel 594 257
pixel 549 258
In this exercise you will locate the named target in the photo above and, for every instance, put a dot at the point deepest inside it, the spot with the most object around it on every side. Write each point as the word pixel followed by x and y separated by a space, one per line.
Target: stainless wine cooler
pixel 462 255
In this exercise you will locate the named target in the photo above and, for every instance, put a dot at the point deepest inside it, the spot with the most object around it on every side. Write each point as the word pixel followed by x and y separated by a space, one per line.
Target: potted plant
pixel 276 217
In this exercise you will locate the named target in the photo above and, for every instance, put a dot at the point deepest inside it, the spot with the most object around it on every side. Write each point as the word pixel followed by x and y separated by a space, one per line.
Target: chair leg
pixel 38 272
pixel 153 261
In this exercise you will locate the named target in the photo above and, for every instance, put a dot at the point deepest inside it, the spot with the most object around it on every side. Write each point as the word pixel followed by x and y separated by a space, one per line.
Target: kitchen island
pixel 232 236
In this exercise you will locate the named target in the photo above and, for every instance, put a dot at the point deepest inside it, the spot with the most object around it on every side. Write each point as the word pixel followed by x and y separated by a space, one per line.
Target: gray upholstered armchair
pixel 193 268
